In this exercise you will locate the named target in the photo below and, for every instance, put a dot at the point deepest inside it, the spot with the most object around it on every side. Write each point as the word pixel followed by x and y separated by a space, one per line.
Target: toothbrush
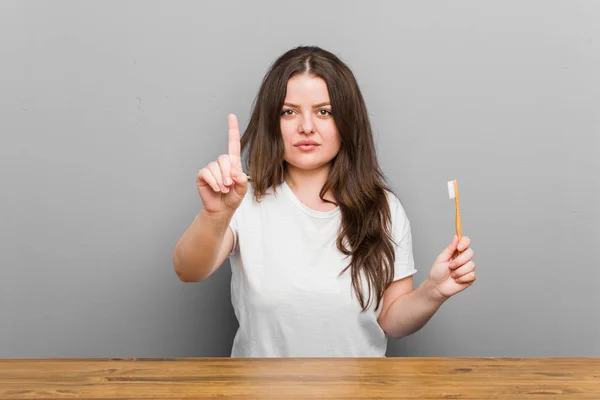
pixel 453 194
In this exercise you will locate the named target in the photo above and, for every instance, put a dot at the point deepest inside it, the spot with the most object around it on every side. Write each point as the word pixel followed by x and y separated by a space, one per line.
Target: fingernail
pixel 228 181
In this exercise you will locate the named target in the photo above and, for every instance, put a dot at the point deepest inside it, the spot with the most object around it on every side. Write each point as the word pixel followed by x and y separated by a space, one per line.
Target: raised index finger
pixel 234 138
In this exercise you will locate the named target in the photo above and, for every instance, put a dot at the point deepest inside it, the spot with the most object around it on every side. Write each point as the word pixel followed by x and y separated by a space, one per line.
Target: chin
pixel 304 165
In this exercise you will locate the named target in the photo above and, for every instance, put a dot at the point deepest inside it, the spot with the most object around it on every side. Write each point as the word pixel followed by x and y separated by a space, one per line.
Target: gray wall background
pixel 109 108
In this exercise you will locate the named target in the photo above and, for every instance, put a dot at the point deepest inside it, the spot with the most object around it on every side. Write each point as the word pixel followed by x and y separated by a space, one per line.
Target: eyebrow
pixel 315 106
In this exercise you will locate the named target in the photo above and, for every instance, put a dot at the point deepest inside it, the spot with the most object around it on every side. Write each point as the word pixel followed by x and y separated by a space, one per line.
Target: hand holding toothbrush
pixel 454 270
pixel 449 275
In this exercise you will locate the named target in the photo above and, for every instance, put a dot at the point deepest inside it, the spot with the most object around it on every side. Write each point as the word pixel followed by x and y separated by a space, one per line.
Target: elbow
pixel 394 334
pixel 183 273
pixel 388 327
pixel 385 327
pixel 185 276
pixel 186 279
pixel 180 272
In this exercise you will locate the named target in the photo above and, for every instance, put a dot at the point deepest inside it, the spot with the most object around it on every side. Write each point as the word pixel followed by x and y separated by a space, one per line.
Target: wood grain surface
pixel 301 378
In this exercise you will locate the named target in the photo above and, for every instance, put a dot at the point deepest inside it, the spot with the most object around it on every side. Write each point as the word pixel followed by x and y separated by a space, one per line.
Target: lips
pixel 306 143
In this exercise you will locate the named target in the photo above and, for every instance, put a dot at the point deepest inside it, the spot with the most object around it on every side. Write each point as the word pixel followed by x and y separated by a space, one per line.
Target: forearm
pixel 198 248
pixel 410 312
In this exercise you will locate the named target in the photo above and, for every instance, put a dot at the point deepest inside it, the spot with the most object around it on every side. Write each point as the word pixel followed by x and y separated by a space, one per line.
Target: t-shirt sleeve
pixel 404 265
pixel 233 224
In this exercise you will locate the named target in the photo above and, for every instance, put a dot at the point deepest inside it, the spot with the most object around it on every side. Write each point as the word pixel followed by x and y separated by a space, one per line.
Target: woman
pixel 320 247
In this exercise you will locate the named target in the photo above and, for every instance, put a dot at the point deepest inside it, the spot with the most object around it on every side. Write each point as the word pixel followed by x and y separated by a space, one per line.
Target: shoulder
pixel 395 204
pixel 399 217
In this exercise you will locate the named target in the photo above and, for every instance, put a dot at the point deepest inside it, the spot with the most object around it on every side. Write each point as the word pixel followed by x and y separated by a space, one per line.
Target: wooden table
pixel 315 378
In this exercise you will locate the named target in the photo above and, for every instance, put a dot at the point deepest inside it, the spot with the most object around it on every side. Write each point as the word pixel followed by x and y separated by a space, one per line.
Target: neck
pixel 307 183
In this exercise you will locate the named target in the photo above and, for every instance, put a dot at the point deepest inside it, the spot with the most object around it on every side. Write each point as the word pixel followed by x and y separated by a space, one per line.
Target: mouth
pixel 306 143
pixel 307 147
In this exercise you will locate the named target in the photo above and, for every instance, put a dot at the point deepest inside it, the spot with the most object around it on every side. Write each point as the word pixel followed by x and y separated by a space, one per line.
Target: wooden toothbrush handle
pixel 458 223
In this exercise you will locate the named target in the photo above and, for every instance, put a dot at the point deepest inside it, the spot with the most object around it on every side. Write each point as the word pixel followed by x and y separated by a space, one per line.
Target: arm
pixel 404 310
pixel 222 186
pixel 203 247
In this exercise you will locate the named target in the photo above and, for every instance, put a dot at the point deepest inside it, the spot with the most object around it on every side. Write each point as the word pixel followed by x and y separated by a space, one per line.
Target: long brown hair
pixel 355 179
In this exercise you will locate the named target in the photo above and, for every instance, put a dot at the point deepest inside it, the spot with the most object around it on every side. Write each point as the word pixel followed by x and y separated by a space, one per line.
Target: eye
pixel 287 112
pixel 324 112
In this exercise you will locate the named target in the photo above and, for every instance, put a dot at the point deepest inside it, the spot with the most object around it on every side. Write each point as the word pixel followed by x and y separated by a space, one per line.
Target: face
pixel 311 139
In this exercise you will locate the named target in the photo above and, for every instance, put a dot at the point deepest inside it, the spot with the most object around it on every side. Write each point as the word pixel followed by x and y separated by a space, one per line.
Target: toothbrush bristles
pixel 451 193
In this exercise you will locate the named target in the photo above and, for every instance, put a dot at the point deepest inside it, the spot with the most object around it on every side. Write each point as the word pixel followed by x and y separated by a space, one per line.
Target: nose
pixel 306 124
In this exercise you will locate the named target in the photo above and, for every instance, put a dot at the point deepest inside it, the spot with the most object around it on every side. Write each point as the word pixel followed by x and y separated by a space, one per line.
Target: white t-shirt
pixel 286 290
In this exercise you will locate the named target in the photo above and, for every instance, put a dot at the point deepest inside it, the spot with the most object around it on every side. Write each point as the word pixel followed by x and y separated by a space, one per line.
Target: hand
pixel 449 275
pixel 222 184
